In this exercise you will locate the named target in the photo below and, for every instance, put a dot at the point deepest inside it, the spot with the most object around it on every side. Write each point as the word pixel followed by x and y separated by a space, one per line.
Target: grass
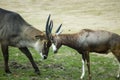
pixel 65 65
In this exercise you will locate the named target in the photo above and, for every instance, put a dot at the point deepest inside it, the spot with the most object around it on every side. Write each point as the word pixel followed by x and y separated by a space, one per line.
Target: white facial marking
pixel 83 69
pixel 54 47
pixel 38 46
pixel 41 55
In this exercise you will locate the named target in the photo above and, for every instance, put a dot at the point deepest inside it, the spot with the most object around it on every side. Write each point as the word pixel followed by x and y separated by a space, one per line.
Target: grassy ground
pixel 75 15
pixel 66 65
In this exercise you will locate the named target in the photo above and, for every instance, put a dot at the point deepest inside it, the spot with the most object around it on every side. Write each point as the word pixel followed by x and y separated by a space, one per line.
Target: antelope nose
pixel 45 57
pixel 55 51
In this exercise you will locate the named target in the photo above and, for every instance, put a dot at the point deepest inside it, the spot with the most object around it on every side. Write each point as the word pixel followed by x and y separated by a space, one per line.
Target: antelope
pixel 16 32
pixel 85 41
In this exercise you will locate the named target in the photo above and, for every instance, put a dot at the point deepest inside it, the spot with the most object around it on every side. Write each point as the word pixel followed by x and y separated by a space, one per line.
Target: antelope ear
pixel 59 32
pixel 41 37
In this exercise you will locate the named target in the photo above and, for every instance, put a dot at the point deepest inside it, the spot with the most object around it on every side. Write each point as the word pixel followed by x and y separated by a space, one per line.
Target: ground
pixel 74 15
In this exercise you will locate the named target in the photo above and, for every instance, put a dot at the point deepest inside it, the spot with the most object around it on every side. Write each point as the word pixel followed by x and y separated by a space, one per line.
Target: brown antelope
pixel 86 41
pixel 16 32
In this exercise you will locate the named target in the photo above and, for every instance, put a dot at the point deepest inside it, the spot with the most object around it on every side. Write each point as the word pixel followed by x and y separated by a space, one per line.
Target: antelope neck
pixel 69 40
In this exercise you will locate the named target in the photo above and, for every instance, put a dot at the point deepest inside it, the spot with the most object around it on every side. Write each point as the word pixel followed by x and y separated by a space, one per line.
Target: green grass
pixel 65 65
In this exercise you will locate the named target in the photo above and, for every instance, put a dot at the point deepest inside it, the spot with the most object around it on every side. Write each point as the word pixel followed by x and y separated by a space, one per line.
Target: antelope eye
pixel 51 38
pixel 45 44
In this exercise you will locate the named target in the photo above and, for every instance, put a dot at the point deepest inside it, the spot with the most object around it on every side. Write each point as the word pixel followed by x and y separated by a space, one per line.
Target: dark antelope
pixel 16 32
pixel 86 41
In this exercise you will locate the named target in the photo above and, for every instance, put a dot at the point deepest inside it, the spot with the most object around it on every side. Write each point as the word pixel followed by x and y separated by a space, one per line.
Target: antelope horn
pixel 47 25
pixel 57 31
pixel 50 26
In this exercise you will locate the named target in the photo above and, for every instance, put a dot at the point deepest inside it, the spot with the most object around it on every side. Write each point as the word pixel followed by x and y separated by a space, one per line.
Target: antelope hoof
pixel 81 78
pixel 37 72
pixel 90 77
pixel 8 71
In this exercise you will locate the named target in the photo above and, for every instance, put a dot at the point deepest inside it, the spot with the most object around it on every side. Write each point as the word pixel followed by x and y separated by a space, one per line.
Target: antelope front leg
pixel 28 54
pixel 88 64
pixel 118 75
pixel 83 66
pixel 6 57
pixel 118 58
pixel 83 69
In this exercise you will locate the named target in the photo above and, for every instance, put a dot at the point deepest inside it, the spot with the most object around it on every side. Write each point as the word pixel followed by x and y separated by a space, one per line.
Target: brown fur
pixel 15 31
pixel 87 41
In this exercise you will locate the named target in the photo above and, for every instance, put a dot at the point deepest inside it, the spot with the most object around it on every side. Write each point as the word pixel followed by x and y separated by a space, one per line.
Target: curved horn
pixel 58 29
pixel 47 25
pixel 51 26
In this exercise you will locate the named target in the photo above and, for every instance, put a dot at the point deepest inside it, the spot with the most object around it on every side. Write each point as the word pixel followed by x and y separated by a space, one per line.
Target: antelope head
pixel 53 38
pixel 46 43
